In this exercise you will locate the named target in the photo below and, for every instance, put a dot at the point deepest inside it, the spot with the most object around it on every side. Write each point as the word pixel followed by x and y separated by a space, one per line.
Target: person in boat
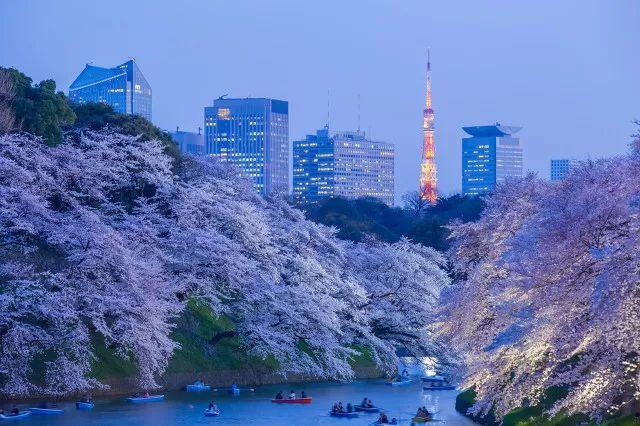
pixel 279 395
pixel 292 395
pixel 383 419
pixel 15 411
pixel 405 373
pixel 340 407
pixel 213 406
pixel 369 403
pixel 349 408
pixel 334 409
pixel 303 394
pixel 364 403
pixel 146 395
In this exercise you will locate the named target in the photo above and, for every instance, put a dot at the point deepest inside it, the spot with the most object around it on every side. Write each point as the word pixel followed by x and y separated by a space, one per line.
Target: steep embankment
pixel 218 364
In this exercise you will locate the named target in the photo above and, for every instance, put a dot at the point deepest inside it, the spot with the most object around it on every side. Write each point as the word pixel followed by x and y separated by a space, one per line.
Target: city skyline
pixel 571 86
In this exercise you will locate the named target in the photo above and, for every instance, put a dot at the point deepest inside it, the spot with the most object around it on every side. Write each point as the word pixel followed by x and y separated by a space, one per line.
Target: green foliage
pixel 95 116
pixel 195 328
pixel 533 415
pixel 38 108
pixel 355 219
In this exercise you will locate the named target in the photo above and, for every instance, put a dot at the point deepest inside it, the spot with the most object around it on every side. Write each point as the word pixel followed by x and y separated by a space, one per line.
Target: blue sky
pixel 567 71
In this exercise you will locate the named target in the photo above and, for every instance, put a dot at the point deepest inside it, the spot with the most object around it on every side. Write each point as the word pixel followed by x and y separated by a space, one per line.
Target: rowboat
pixel 46 411
pixel 346 415
pixel 197 387
pixel 306 400
pixel 150 398
pixel 80 405
pixel 367 409
pixel 211 413
pixel 20 415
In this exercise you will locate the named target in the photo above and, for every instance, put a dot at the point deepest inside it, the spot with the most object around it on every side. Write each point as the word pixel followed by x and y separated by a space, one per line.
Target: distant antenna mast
pixel 358 112
pixel 328 108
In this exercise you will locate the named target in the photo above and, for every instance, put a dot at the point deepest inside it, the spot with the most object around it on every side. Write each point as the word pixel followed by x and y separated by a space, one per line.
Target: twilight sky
pixel 567 71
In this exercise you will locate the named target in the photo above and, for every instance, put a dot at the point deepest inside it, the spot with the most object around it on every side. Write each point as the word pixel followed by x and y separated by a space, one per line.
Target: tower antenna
pixel 358 112
pixel 328 108
pixel 428 169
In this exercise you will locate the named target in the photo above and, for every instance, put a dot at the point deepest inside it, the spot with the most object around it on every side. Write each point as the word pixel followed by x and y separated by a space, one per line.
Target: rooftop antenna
pixel 328 108
pixel 358 112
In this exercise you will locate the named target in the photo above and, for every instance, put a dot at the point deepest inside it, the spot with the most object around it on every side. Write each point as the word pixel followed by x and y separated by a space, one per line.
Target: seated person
pixel 292 395
pixel 383 418
pixel 303 395
pixel 279 395
pixel 369 404
pixel 349 408
pixel 15 411
pixel 334 409
pixel 340 407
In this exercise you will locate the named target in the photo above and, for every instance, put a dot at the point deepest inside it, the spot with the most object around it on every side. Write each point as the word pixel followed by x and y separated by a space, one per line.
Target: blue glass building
pixel 345 164
pixel 560 168
pixel 123 87
pixel 252 133
pixel 313 167
pixel 489 156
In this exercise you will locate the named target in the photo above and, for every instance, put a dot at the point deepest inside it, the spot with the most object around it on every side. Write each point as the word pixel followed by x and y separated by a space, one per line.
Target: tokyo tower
pixel 428 170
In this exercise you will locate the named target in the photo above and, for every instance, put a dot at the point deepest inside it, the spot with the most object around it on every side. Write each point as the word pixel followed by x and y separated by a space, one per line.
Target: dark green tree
pixel 38 108
pixel 95 116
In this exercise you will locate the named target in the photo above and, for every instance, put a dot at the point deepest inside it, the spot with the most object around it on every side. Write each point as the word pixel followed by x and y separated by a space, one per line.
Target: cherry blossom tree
pixel 548 289
pixel 104 239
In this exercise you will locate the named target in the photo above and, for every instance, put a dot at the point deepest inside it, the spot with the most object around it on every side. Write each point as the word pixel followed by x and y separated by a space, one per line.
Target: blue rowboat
pixel 150 398
pixel 46 411
pixel 345 415
pixel 367 409
pixel 399 382
pixel 436 383
pixel 80 405
pixel 20 415
pixel 198 387
pixel 211 413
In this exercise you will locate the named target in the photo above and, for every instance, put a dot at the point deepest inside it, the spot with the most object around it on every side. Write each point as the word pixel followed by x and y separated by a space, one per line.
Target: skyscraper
pixel 560 168
pixel 123 87
pixel 314 166
pixel 252 133
pixel 489 156
pixel 428 169
pixel 346 164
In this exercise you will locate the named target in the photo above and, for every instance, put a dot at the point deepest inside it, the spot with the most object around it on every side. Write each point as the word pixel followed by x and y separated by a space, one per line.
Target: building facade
pixel 345 164
pixel 124 87
pixel 313 167
pixel 489 156
pixel 560 168
pixel 189 142
pixel 253 134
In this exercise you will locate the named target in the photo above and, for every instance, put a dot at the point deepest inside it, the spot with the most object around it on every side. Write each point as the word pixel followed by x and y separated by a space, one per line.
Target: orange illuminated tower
pixel 428 170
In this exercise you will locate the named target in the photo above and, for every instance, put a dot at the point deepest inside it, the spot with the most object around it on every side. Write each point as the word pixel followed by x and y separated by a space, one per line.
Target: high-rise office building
pixel 313 167
pixel 489 156
pixel 560 168
pixel 345 164
pixel 123 87
pixel 252 133
pixel 189 142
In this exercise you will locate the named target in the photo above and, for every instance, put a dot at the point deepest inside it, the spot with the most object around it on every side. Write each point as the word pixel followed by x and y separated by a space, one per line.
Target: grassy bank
pixel 533 416
pixel 220 365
